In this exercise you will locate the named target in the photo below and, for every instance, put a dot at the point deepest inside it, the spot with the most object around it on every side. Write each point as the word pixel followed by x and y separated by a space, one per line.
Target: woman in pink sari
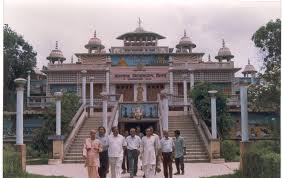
pixel 91 150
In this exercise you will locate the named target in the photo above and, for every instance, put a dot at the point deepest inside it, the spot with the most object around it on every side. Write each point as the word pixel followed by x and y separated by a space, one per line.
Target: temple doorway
pixel 127 90
pixel 153 90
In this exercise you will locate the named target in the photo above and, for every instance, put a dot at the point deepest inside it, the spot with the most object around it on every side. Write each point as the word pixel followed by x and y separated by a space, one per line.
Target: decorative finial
pixel 209 57
pixel 72 59
pixel 56 44
pixel 223 43
pixel 139 21
pixel 249 61
pixel 184 33
pixel 95 34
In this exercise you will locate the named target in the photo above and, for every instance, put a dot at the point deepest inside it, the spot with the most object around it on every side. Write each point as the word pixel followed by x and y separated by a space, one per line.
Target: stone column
pixel 91 96
pixel 108 80
pixel 170 80
pixel 28 86
pixel 83 86
pixel 164 97
pixel 105 109
pixel 58 96
pixel 185 101
pixel 20 146
pixel 244 144
pixel 213 113
pixel 192 80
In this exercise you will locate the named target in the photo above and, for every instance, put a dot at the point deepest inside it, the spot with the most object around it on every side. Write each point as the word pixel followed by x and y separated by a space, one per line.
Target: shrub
pixel 11 163
pixel 230 150
pixel 260 161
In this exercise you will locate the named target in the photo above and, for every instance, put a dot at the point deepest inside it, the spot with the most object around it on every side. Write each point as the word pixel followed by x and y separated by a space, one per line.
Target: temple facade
pixel 140 68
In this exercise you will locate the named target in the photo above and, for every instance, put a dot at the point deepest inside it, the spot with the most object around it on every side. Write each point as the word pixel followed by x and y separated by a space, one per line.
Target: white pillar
pixel 84 86
pixel 28 83
pixel 213 113
pixel 58 96
pixel 170 80
pixel 192 80
pixel 105 109
pixel 91 96
pixel 185 101
pixel 244 113
pixel 253 75
pixel 20 82
pixel 107 80
pixel 164 98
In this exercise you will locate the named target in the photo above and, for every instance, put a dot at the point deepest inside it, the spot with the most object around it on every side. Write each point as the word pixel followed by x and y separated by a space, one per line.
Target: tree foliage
pixel 70 105
pixel 19 57
pixel 267 95
pixel 202 102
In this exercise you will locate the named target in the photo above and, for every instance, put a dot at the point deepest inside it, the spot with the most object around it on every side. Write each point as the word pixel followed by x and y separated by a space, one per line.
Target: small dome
pixel 185 42
pixel 249 68
pixel 56 55
pixel 94 43
pixel 224 52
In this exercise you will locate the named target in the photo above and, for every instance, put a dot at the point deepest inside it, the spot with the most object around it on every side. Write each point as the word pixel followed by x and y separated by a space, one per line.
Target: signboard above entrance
pixel 134 60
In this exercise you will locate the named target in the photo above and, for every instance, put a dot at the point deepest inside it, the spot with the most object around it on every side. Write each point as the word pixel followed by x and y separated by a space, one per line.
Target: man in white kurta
pixel 117 144
pixel 148 150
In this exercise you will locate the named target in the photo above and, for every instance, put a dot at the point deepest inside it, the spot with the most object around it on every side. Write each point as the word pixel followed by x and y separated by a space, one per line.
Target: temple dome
pixel 56 55
pixel 94 43
pixel 186 41
pixel 224 53
pixel 249 69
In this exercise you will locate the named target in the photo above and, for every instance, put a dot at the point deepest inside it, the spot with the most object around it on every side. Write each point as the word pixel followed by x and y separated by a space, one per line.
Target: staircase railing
pixel 75 124
pixel 115 115
pixel 202 128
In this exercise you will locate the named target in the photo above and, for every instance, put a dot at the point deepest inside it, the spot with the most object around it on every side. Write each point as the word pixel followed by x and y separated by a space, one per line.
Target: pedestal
pixel 58 149
pixel 91 112
pixel 243 149
pixel 215 151
pixel 21 149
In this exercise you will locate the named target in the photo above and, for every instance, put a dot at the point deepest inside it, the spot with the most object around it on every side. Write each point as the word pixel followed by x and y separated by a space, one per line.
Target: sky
pixel 72 24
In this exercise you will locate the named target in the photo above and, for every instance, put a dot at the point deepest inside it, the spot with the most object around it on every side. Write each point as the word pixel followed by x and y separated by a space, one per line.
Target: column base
pixel 58 147
pixel 54 161
pixel 185 110
pixel 21 149
pixel 91 112
pixel 214 150
pixel 244 146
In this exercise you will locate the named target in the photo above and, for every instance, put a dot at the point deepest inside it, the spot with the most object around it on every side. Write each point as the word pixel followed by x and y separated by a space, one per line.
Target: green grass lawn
pixel 36 176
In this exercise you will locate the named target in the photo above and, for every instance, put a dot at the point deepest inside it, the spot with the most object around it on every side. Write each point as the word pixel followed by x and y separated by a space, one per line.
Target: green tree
pixel 70 104
pixel 266 96
pixel 19 57
pixel 202 102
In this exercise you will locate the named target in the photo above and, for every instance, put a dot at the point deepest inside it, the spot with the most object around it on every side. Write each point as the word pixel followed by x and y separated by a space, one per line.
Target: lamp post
pixel 184 76
pixel 58 96
pixel 91 96
pixel 28 86
pixel 20 146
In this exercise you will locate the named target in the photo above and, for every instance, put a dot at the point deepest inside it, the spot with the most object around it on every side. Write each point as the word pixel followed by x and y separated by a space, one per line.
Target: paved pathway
pixel 193 170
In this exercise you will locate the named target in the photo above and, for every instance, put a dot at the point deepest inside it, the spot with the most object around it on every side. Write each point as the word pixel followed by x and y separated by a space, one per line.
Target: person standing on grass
pixel 117 144
pixel 180 151
pixel 148 154
pixel 133 147
pixel 104 159
pixel 91 149
pixel 167 148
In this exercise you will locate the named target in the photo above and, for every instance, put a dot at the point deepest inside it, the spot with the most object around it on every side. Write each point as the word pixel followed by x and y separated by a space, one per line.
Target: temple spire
pixel 249 61
pixel 56 44
pixel 95 34
pixel 209 57
pixel 139 22
pixel 184 33
pixel 223 43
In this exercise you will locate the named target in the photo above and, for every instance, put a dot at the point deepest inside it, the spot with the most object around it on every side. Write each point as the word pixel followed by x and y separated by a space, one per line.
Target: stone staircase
pixel 74 154
pixel 195 149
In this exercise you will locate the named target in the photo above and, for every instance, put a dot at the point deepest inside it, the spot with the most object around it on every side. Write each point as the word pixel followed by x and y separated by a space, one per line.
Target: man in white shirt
pixel 148 153
pixel 133 146
pixel 117 144
pixel 167 148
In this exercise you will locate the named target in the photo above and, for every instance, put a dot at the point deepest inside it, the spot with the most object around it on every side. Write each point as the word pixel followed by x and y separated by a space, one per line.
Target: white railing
pixel 75 124
pixel 39 101
pixel 115 115
pixel 175 100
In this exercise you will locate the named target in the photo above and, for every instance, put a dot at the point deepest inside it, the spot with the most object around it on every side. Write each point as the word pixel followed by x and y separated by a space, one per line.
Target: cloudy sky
pixel 72 23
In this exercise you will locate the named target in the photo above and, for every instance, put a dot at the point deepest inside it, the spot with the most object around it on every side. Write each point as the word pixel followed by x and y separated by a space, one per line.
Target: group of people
pixel 102 152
